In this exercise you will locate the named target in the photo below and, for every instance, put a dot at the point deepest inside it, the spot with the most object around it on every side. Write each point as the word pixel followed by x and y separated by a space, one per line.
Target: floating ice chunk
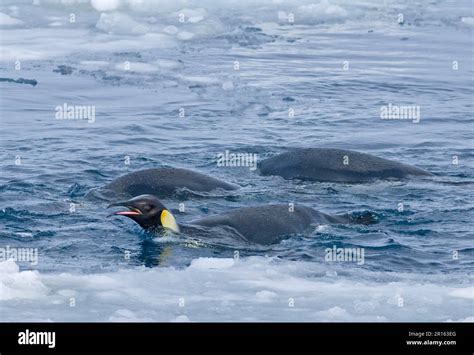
pixel 191 15
pixel 168 64
pixel 6 20
pixel 467 292
pixel 335 312
pixel 212 263
pixel 195 19
pixel 109 295
pixel 94 64
pixel 322 11
pixel 55 24
pixel 321 227
pixel 9 267
pixel 198 22
pixel 266 296
pixel 210 27
pixel 118 23
pixel 24 234
pixel 35 45
pixel 181 319
pixel 156 6
pixel 137 67
pixel 67 293
pixel 16 284
pixel 171 30
pixel 185 35
pixel 105 5
pixel 14 52
pixel 125 315
pixel 468 20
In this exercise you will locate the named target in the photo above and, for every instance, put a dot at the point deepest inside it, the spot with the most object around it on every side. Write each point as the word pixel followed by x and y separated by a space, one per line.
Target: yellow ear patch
pixel 168 221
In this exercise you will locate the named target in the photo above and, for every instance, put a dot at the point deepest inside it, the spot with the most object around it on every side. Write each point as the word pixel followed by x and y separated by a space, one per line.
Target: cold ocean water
pixel 176 83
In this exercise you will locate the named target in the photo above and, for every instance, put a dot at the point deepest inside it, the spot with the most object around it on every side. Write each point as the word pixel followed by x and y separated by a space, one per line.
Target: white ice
pixel 249 289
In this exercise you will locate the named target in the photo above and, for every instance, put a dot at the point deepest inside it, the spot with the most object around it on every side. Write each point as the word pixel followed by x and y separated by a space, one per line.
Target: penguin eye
pixel 146 208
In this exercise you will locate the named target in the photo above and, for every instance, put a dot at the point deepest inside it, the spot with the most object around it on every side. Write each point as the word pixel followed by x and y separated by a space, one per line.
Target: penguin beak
pixel 132 211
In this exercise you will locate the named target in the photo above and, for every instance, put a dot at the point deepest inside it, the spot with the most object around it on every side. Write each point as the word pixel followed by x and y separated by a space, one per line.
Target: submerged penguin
pixel 263 225
pixel 162 182
pixel 336 165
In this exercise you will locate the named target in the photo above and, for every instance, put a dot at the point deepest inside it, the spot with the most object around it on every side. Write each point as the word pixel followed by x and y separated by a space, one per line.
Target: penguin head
pixel 148 212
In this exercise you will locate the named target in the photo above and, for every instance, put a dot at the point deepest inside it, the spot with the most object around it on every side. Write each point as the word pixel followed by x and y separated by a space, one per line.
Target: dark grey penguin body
pixel 162 182
pixel 268 224
pixel 336 165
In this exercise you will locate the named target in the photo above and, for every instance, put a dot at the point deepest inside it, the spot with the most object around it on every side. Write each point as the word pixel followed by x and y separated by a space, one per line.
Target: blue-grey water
pixel 177 83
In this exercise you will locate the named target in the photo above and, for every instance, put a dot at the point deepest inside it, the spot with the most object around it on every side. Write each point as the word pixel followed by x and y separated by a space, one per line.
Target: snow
pixel 213 289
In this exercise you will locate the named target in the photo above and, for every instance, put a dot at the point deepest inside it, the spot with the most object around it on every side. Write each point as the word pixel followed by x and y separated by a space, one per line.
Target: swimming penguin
pixel 162 182
pixel 335 165
pixel 263 225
